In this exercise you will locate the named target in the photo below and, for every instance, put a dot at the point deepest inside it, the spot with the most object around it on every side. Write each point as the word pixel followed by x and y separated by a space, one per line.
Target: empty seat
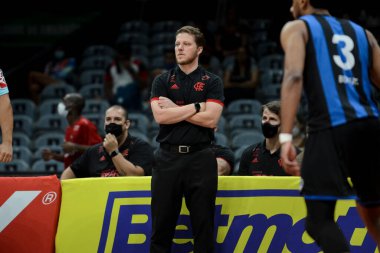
pixel 47 166
pixel 271 76
pixel 139 122
pixel 221 128
pixel 245 139
pixel 95 106
pixel 49 139
pixel 221 139
pixel 91 76
pixel 244 122
pixel 92 91
pixel 21 140
pixel 269 93
pixel 49 107
pixel 23 124
pixel 14 166
pixel 243 106
pixel 58 90
pixel 46 123
pixel 22 153
pixel 139 134
pixel 97 119
pixel 23 106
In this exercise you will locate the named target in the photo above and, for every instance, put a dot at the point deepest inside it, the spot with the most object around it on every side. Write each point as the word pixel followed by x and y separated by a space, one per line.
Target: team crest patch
pixel 199 86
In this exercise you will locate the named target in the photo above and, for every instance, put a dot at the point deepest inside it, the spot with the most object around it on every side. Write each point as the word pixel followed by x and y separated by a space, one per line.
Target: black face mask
pixel 269 130
pixel 114 129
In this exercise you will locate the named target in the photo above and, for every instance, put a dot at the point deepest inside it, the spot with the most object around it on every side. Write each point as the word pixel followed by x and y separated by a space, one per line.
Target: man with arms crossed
pixel 187 102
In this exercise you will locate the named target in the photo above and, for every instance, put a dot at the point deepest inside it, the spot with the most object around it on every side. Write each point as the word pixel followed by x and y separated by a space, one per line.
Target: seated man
pixel 225 159
pixel 120 154
pixel 264 158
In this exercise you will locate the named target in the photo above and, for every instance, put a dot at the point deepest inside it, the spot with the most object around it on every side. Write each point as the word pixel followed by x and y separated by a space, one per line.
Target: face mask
pixel 269 130
pixel 61 109
pixel 114 129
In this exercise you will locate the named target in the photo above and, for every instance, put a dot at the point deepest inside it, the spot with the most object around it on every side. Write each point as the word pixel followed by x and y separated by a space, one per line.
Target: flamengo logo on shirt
pixel 15 205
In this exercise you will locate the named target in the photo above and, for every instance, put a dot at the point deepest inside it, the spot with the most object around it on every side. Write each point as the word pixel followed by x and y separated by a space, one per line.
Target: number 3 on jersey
pixel 345 51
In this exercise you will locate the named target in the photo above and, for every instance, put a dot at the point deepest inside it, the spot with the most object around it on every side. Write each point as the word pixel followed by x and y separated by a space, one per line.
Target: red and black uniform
pixel 257 160
pixel 82 132
pixel 185 163
pixel 96 162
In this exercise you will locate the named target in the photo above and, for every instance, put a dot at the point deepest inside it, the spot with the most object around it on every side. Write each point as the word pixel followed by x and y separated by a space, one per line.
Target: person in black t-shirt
pixel 263 158
pixel 120 154
pixel 187 102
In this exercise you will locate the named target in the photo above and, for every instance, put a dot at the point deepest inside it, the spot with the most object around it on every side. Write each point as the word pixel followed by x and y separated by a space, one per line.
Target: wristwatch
pixel 114 153
pixel 197 107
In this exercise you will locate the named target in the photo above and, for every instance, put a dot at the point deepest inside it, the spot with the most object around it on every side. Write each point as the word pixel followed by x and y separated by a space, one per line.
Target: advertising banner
pixel 253 214
pixel 29 211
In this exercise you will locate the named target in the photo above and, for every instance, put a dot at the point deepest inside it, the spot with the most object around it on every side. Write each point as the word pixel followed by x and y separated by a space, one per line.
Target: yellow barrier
pixel 253 214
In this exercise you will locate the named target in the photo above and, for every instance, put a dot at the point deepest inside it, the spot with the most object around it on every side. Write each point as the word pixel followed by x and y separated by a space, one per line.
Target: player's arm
pixel 375 67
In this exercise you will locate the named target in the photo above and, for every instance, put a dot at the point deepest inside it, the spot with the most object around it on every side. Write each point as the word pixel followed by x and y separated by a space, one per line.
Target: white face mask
pixel 61 109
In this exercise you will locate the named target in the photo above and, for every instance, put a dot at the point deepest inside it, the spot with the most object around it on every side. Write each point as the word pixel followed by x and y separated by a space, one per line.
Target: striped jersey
pixel 336 77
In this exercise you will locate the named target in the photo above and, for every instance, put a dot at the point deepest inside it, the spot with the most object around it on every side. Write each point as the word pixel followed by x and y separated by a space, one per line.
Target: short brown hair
pixel 273 106
pixel 198 35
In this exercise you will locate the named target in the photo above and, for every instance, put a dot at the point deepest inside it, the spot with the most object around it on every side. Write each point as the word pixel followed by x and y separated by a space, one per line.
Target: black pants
pixel 194 176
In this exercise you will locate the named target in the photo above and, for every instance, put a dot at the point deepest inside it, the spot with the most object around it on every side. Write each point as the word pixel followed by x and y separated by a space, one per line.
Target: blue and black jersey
pixel 336 77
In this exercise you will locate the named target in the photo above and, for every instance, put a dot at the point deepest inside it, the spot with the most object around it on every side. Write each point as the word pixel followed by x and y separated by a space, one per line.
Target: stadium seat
pixel 244 122
pixel 92 91
pixel 246 138
pixel 243 106
pixel 50 123
pixel 47 166
pixel 22 106
pixel 49 139
pixel 48 107
pixel 221 139
pixel 23 123
pixel 58 90
pixel 14 166
pixel 95 106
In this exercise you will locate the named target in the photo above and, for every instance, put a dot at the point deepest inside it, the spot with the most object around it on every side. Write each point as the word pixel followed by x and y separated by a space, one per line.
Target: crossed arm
pixel 166 111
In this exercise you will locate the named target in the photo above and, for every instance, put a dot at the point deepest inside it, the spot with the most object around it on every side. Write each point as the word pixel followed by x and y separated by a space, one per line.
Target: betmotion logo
pixel 256 232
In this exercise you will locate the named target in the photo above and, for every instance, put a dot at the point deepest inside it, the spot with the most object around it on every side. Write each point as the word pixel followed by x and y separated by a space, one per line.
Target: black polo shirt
pixel 225 153
pixel 256 160
pixel 95 161
pixel 198 86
